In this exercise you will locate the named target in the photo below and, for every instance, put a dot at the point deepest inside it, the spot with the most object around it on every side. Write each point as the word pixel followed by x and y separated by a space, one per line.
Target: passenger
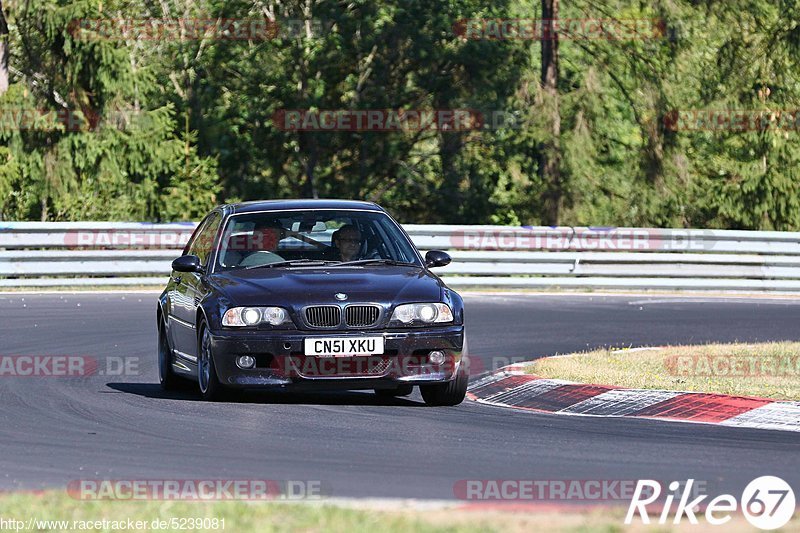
pixel 347 243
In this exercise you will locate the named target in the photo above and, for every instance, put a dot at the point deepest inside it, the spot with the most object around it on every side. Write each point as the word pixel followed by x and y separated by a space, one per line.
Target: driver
pixel 347 241
pixel 259 247
pixel 266 236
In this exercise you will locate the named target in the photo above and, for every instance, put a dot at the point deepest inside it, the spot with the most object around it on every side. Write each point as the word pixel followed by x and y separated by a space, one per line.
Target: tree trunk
pixel 549 149
pixel 308 147
pixel 451 200
pixel 3 51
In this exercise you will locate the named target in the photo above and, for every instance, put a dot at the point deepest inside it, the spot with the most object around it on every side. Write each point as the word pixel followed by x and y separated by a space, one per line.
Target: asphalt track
pixel 55 430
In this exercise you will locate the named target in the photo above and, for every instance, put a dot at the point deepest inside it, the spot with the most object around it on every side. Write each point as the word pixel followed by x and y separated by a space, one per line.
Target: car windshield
pixel 284 238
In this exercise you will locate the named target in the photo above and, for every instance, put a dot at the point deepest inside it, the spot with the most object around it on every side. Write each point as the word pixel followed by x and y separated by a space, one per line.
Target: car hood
pixel 295 286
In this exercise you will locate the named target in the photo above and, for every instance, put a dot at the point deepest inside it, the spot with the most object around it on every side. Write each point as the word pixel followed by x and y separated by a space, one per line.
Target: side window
pixel 203 242
pixel 195 233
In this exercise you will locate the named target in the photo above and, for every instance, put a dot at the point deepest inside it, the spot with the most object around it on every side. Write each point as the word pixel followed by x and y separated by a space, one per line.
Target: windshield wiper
pixel 376 260
pixel 294 262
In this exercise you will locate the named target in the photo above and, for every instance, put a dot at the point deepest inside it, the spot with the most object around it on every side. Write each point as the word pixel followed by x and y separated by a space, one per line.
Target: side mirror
pixel 437 258
pixel 187 263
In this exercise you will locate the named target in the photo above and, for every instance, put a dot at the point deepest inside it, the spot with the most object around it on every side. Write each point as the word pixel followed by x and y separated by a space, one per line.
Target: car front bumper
pixel 282 363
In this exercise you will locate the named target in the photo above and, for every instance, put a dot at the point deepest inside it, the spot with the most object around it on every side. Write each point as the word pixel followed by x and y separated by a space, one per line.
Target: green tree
pixel 107 147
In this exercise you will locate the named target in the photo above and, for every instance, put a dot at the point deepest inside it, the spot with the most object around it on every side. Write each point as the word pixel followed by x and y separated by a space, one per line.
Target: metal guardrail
pixel 36 254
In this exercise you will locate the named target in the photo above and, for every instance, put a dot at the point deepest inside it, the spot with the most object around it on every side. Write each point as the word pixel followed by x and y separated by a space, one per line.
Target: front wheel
pixel 450 393
pixel 210 387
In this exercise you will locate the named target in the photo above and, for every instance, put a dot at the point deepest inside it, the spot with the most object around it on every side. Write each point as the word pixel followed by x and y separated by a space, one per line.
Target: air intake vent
pixel 324 316
pixel 361 315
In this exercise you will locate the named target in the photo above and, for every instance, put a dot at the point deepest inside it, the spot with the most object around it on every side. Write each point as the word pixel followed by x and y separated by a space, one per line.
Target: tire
pixel 207 380
pixel 450 393
pixel 167 378
pixel 401 390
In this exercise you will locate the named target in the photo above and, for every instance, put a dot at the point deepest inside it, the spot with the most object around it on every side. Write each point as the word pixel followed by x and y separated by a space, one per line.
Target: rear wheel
pixel 402 390
pixel 166 375
pixel 210 387
pixel 452 392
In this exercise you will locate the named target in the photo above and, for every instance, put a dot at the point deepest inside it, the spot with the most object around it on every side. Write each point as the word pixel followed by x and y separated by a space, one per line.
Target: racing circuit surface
pixel 58 429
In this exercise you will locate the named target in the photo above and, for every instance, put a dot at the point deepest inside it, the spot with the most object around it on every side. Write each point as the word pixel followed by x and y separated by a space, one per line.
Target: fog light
pixel 436 357
pixel 245 361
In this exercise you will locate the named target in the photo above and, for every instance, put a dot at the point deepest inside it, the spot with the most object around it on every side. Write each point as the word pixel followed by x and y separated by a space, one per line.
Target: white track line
pixel 620 402
pixel 778 415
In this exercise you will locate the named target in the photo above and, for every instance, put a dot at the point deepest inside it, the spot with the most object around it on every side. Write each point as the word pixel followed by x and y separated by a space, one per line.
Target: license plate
pixel 344 346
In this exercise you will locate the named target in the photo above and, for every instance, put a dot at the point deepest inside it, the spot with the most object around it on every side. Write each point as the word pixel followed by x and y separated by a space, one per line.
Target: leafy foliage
pixel 162 129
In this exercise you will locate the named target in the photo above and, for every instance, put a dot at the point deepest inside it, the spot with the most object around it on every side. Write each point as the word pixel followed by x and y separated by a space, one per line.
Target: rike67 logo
pixel 767 502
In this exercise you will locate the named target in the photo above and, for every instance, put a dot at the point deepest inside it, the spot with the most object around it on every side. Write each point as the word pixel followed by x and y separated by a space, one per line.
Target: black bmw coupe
pixel 310 294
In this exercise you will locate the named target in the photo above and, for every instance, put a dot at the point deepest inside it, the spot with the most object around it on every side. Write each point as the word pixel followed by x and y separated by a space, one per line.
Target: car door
pixel 187 289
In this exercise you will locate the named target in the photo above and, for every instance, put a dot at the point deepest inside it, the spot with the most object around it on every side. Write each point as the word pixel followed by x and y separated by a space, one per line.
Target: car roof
pixel 279 205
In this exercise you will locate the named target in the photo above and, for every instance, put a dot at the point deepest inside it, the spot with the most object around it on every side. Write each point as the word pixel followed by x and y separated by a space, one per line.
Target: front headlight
pixel 253 316
pixel 427 313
